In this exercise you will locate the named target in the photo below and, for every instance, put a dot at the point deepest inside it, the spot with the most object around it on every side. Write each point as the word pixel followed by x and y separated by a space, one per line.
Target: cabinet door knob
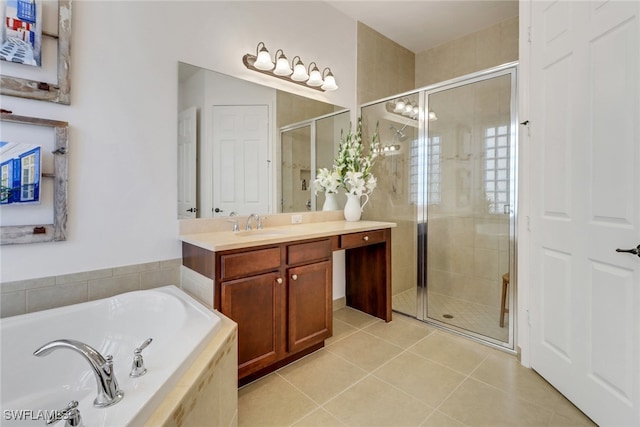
pixel 294 277
pixel 279 280
pixel 365 238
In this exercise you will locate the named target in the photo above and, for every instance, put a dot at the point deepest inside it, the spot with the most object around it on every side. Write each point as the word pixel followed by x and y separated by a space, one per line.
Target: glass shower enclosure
pixel 447 177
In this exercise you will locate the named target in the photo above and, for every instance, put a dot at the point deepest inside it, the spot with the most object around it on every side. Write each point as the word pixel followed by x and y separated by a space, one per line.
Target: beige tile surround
pixel 201 397
pixel 27 296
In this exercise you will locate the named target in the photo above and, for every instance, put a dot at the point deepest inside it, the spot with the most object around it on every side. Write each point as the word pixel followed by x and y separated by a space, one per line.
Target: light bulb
pixel 263 60
pixel 282 65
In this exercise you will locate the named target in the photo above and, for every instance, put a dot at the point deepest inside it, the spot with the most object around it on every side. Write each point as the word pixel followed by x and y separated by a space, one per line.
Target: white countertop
pixel 225 240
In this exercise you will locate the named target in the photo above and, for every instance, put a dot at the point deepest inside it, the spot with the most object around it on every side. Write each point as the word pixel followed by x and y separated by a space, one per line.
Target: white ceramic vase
pixel 330 202
pixel 353 209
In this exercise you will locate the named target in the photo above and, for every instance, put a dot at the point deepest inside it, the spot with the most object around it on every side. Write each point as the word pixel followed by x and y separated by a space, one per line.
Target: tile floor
pixel 471 316
pixel 403 373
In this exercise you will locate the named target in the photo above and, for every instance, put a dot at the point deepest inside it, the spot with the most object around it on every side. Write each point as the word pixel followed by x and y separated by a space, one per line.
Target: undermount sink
pixel 262 233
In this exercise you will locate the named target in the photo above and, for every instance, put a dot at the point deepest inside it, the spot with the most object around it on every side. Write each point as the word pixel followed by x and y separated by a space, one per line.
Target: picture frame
pixel 58 92
pixel 57 231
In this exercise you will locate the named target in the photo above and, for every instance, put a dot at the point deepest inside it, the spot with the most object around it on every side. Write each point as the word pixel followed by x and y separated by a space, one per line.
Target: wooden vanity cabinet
pixel 281 294
pixel 281 298
pixel 309 294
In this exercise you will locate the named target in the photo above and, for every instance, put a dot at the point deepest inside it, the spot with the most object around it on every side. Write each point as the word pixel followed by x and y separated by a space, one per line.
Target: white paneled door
pixel 240 148
pixel 187 150
pixel 585 204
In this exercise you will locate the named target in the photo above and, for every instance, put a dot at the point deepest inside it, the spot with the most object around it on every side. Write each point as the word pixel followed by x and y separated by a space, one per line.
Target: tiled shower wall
pixel 27 296
pixel 487 48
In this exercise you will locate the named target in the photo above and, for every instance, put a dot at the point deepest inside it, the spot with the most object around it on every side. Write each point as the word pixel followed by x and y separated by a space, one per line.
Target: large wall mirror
pixel 248 148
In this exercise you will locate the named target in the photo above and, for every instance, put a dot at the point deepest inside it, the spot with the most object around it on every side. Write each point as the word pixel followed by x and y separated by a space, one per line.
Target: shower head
pixel 399 132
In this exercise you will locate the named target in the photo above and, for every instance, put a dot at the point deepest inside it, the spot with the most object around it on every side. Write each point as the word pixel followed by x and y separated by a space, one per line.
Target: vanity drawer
pixel 308 252
pixel 361 239
pixel 249 263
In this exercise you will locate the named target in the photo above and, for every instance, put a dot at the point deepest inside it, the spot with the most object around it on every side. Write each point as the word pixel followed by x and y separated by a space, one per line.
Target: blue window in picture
pixel 20 176
pixel 30 176
pixel 6 181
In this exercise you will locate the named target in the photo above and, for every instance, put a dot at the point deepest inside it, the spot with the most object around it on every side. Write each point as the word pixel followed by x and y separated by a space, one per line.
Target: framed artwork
pixel 37 61
pixel 33 178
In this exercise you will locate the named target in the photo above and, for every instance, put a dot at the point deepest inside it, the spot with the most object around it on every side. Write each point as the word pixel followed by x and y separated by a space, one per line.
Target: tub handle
pixel 144 345
pixel 71 413
pixel 137 367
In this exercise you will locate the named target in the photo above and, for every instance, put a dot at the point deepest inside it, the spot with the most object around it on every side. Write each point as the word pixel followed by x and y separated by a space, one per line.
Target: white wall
pixel 122 117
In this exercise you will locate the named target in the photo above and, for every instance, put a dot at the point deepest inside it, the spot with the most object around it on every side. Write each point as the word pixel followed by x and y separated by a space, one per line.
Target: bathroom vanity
pixel 276 283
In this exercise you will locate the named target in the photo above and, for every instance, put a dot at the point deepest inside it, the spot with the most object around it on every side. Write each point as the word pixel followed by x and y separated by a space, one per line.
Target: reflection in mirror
pixel 230 156
pixel 306 147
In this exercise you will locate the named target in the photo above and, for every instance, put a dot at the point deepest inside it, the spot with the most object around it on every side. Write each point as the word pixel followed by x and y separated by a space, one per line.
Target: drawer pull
pixel 279 280
pixel 365 238
pixel 294 277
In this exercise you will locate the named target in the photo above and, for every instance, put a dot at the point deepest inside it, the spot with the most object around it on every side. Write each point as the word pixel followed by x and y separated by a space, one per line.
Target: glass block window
pixel 496 168
pixel 433 170
pixel 416 172
pixel 430 170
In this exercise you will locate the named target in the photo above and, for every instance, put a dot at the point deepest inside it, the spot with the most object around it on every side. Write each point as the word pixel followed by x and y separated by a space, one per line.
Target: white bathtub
pixel 33 386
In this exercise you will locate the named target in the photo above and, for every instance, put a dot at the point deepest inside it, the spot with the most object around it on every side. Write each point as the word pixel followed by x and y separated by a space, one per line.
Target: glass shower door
pixel 470 198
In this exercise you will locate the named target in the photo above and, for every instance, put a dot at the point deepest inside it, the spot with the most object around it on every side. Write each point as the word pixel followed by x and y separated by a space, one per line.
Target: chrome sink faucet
pixel 233 218
pixel 108 391
pixel 257 218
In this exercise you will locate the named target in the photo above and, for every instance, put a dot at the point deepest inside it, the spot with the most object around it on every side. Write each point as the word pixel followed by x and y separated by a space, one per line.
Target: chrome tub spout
pixel 108 391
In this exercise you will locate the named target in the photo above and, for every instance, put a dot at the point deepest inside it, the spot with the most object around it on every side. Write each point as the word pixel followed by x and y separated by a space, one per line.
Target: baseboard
pixel 339 303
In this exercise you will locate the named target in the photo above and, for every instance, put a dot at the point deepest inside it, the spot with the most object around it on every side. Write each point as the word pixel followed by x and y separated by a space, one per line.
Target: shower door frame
pixel 422 294
pixel 421 219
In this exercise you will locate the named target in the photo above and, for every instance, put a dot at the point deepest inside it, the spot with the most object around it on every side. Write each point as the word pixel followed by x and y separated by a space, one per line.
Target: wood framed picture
pixel 33 179
pixel 35 49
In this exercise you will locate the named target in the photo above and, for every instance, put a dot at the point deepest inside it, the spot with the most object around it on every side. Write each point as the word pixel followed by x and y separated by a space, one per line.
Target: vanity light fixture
pixel 299 71
pixel 404 107
pixel 282 65
pixel 329 80
pixel 262 59
pixel 315 77
pixel 399 106
pixel 295 73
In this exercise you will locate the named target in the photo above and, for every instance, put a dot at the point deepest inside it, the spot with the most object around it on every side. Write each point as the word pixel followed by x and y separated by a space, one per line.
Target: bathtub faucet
pixel 108 391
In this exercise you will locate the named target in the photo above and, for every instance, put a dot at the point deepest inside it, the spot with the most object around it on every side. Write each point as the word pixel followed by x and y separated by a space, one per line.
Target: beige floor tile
pixel 477 404
pixel 372 403
pixel 319 418
pixel 401 331
pixel 340 330
pixel 322 375
pixel 506 373
pixel 354 317
pixel 365 350
pixel 272 401
pixel 454 352
pixel 566 412
pixel 438 419
pixel 558 420
pixel 427 381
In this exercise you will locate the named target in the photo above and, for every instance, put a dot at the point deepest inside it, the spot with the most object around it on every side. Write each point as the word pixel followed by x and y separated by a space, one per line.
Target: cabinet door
pixel 310 305
pixel 255 304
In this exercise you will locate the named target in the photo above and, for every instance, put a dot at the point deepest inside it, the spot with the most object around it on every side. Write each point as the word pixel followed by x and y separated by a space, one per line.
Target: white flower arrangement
pixel 327 181
pixel 354 167
pixel 351 169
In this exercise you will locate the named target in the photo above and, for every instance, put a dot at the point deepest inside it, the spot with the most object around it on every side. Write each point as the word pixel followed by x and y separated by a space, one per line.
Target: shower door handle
pixel 633 251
